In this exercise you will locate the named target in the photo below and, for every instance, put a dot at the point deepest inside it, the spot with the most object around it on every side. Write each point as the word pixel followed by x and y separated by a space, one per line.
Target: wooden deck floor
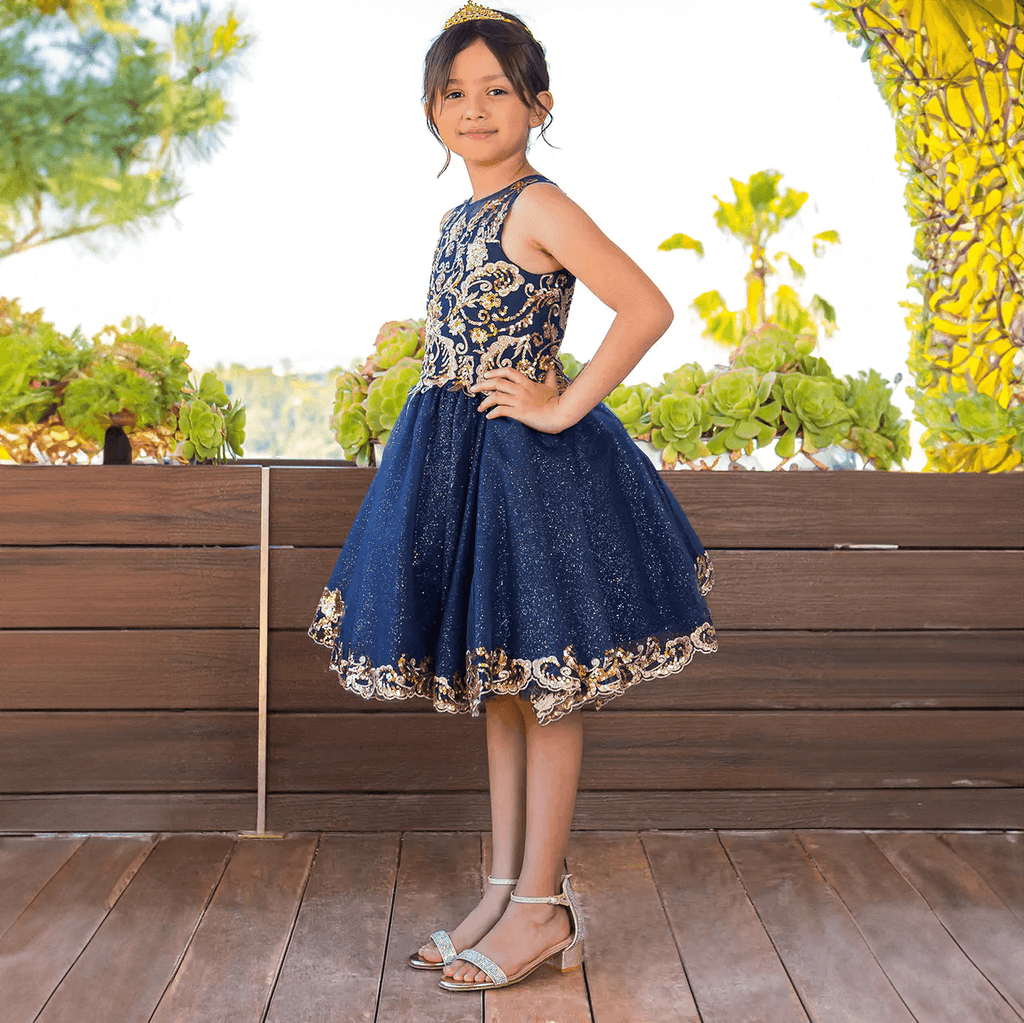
pixel 723 926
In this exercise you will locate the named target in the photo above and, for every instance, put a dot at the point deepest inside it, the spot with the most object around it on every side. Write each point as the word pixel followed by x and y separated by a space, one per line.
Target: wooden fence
pixel 853 687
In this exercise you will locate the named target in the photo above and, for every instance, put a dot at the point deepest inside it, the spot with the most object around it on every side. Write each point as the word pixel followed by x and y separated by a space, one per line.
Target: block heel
pixel 567 955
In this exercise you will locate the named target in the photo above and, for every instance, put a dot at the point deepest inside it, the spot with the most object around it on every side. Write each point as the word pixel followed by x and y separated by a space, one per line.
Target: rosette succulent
pixel 209 424
pixel 570 364
pixel 398 339
pixel 386 396
pixel 739 404
pixel 687 379
pixel 632 404
pixel 679 420
pixel 878 431
pixel 815 405
pixel 349 419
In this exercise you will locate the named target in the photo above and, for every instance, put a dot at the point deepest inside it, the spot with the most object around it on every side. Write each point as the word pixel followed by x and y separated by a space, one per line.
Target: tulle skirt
pixel 488 558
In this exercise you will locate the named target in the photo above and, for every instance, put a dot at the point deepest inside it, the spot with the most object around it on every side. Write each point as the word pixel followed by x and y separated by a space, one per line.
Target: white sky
pixel 315 222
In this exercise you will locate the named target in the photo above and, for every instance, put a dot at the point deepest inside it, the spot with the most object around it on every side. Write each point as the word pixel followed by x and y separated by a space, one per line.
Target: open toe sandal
pixel 566 955
pixel 443 941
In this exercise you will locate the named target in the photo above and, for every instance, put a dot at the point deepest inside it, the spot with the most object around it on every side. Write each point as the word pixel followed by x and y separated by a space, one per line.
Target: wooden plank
pixel 547 995
pixel 813 933
pixel 26 864
pixel 925 965
pixel 215 669
pixel 223 979
pixel 737 509
pixel 998 859
pixel 646 750
pixel 129 587
pixel 989 934
pixel 439 881
pixel 633 968
pixel 703 901
pixel 124 970
pixel 127 751
pixel 130 504
pixel 598 811
pixel 766 670
pixel 120 669
pixel 763 589
pixel 48 937
pixel 343 922
pixel 119 811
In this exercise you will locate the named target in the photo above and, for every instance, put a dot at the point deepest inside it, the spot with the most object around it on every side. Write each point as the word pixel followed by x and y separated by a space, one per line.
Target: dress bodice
pixel 483 310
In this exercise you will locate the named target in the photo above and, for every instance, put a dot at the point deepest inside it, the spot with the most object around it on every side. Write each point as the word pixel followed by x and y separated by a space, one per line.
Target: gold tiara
pixel 474 12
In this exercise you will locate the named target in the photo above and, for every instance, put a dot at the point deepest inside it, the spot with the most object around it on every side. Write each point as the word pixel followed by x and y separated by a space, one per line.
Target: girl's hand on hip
pixel 513 394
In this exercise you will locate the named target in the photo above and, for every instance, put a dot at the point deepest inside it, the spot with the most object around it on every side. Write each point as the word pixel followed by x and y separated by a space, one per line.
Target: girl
pixel 516 550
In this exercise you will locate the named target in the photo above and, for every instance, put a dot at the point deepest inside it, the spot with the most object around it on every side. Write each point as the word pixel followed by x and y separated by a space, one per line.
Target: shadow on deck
pixel 804 926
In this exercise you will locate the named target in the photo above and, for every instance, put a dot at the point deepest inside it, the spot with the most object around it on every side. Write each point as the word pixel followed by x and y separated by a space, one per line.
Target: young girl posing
pixel 516 550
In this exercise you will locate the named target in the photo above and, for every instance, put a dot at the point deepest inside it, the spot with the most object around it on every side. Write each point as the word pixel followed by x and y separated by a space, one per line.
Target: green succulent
pixel 203 427
pixel 350 390
pixel 234 425
pixel 398 339
pixel 739 404
pixel 209 424
pixel 353 434
pixel 632 404
pixel 687 379
pixel 570 364
pixel 679 421
pixel 386 396
pixel 815 405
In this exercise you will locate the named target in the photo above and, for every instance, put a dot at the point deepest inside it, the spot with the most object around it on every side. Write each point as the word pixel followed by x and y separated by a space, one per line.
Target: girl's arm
pixel 561 228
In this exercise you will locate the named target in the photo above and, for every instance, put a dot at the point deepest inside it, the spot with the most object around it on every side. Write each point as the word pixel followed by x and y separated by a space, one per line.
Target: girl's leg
pixel 554 753
pixel 506 763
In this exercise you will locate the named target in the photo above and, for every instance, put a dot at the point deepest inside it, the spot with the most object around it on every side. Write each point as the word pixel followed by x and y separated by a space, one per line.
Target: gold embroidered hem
pixel 565 683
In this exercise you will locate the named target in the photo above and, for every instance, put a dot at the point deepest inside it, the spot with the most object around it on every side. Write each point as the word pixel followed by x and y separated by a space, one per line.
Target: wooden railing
pixel 853 687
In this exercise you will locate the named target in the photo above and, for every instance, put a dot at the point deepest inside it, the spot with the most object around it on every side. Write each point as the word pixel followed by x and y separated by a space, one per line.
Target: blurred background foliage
pixel 96 138
pixel 287 414
pixel 951 74
pixel 757 213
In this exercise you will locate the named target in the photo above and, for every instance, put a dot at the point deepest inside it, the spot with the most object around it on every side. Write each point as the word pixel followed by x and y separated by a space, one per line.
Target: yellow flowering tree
pixel 951 74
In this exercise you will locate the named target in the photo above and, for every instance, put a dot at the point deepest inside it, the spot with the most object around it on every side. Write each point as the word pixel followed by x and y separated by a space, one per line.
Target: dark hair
pixel 520 55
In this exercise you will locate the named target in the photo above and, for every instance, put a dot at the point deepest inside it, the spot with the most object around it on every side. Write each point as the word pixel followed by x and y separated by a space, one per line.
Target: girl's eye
pixel 456 92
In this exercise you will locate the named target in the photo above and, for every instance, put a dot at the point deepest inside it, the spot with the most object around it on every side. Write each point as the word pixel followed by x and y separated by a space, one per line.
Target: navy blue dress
pixel 489 558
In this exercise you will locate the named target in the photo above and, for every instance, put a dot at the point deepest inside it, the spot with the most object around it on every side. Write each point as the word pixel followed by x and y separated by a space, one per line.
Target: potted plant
pixel 128 392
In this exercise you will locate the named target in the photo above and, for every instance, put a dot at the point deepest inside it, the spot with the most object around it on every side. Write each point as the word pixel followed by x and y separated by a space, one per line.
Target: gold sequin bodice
pixel 483 310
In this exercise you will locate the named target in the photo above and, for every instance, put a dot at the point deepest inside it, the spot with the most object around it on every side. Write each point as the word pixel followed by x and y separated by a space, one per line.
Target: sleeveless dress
pixel 490 558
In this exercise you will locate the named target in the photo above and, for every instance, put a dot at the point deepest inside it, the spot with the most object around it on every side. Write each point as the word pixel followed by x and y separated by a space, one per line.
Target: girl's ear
pixel 543 100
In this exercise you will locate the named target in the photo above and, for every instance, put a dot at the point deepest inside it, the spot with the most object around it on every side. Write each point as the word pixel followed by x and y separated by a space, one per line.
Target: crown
pixel 474 12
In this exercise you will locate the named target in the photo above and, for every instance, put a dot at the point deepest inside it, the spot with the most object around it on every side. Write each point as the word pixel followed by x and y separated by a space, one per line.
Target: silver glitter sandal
pixel 566 955
pixel 442 940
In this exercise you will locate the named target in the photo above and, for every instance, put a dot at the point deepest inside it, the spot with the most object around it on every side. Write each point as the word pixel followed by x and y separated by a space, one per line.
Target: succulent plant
pixel 632 404
pixel 687 379
pixel 398 339
pixel 815 406
pixel 570 364
pixel 387 394
pixel 738 400
pixel 679 420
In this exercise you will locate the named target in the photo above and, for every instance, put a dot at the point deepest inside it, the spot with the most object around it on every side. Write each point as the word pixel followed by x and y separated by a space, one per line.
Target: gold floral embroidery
pixel 485 311
pixel 564 683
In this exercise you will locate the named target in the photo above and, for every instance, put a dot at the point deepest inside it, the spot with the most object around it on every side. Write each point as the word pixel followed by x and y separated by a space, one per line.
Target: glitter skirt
pixel 488 558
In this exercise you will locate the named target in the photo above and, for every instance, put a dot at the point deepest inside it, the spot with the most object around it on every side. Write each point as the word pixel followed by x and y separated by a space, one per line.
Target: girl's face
pixel 480 98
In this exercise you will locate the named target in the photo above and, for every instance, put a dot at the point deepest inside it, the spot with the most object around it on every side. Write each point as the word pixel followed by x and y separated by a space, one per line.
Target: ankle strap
pixel 555 900
pixel 502 880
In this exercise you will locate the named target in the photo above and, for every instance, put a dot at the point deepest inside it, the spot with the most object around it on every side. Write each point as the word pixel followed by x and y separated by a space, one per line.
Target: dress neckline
pixel 476 202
